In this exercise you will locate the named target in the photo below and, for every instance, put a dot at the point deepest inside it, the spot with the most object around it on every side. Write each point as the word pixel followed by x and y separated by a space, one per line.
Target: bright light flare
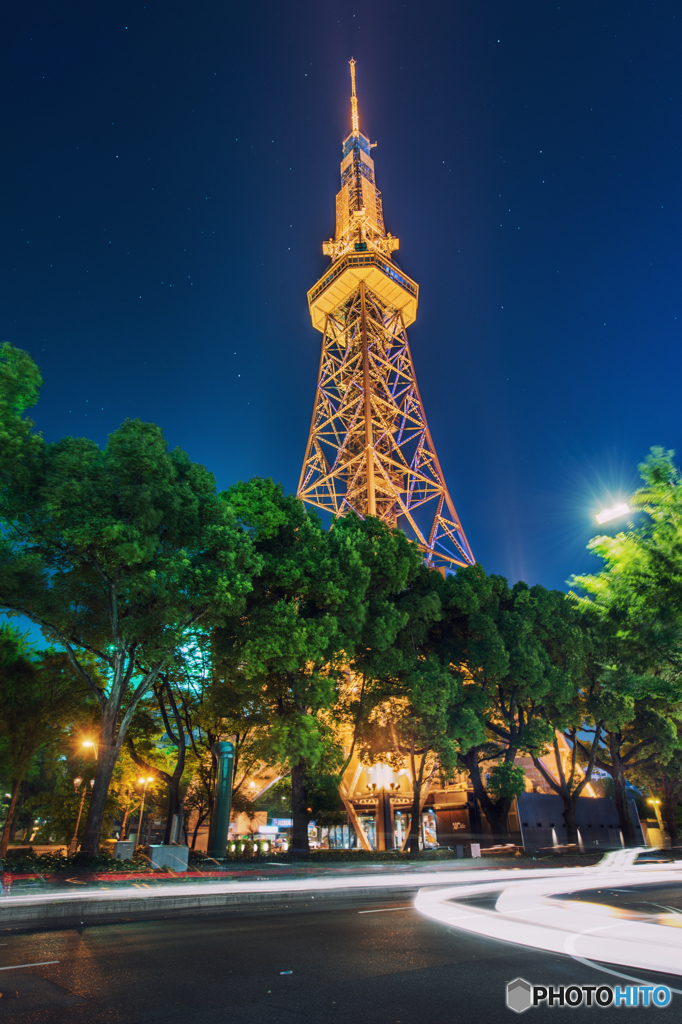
pixel 606 514
pixel 526 914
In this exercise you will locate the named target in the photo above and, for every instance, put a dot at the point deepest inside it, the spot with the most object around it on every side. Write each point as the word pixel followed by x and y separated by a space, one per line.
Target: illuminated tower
pixel 370 449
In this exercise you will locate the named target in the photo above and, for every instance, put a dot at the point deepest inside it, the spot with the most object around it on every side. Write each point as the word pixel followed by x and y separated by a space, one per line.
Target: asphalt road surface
pixel 355 961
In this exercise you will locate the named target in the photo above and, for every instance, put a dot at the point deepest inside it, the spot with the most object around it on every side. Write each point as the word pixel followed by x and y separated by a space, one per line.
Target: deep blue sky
pixel 168 177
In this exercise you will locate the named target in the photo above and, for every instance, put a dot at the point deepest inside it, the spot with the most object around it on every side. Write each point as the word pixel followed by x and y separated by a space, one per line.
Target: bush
pixel 203 863
pixel 25 862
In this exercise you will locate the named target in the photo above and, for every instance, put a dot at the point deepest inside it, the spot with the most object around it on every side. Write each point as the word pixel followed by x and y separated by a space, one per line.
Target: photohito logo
pixel 521 995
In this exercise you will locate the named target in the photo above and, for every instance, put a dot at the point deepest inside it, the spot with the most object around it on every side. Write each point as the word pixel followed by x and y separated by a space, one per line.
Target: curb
pixel 98 910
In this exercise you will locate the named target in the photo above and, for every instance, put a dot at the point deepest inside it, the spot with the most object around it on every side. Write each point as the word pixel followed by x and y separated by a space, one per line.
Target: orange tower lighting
pixel 369 449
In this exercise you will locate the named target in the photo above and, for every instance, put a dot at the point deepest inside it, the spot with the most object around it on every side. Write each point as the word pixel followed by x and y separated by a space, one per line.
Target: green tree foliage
pixel 211 707
pixel 639 733
pixel 409 708
pixel 637 600
pixel 569 706
pixel 40 695
pixel 303 620
pixel 114 553
pixel 664 782
pixel 520 650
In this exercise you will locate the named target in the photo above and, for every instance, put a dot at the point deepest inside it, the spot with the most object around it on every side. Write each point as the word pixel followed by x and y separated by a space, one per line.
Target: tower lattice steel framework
pixel 370 448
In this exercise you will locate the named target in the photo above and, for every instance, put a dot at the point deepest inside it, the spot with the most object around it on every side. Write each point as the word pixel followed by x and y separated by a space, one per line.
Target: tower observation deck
pixel 370 449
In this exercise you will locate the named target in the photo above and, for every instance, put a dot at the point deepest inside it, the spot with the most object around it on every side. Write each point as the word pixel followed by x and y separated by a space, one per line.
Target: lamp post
pixel 76 783
pixel 149 778
pixel 74 842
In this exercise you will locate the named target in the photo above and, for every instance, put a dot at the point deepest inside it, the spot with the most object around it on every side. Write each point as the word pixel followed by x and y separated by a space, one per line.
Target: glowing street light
pixel 91 743
pixel 615 512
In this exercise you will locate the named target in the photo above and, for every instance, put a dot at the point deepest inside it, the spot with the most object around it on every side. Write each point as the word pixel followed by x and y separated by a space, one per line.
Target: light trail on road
pixel 413 879
pixel 529 912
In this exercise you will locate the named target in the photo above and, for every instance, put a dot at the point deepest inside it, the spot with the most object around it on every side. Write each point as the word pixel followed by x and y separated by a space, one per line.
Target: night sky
pixel 169 173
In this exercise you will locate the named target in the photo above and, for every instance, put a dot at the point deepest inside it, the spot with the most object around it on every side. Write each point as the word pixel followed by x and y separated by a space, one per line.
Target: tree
pixel 637 599
pixel 570 706
pixel 521 650
pixel 39 697
pixel 637 733
pixel 116 554
pixel 302 623
pixel 666 780
pixel 209 706
pixel 283 648
pixel 145 747
pixel 409 709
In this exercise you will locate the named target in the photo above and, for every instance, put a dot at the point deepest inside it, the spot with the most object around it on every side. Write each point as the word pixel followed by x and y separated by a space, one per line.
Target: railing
pixel 363 260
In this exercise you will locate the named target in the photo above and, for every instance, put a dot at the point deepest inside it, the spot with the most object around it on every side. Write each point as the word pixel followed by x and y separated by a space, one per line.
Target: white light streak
pixel 525 915
pixel 390 880
pixel 18 967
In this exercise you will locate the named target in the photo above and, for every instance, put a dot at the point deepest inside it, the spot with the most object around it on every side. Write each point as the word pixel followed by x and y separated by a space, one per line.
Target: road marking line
pixel 16 967
pixel 384 910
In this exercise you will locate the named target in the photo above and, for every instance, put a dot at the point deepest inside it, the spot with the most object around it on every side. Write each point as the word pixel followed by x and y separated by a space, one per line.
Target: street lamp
pixel 74 842
pixel 621 508
pixel 76 783
pixel 145 782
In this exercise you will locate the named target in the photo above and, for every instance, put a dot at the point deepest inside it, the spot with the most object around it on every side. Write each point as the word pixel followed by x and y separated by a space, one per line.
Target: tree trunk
pixel 413 842
pixel 177 738
pixel 670 797
pixel 569 816
pixel 125 819
pixel 299 832
pixel 201 818
pixel 417 787
pixel 9 821
pixel 173 783
pixel 496 811
pixel 106 761
pixel 620 793
pixel 497 816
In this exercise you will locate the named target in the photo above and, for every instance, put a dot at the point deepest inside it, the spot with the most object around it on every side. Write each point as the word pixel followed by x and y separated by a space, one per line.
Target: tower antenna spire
pixel 354 118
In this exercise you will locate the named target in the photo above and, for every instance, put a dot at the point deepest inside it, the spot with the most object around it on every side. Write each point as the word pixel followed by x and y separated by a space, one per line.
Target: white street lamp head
pixel 620 509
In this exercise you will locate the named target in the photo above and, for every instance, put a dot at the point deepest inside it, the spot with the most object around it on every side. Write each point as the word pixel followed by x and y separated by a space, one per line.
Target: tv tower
pixel 370 449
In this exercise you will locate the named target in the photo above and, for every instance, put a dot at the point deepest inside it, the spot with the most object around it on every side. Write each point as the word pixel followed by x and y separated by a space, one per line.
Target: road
pixel 355 961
